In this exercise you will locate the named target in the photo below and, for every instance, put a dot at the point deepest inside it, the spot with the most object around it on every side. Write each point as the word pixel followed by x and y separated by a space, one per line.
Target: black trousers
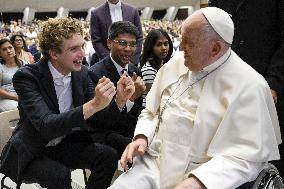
pixel 52 168
pixel 115 140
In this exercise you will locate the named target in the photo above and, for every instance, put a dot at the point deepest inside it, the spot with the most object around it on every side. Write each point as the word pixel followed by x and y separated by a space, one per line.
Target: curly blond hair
pixel 54 30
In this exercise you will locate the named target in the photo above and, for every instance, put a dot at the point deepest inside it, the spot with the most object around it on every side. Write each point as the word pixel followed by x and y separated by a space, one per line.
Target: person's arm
pixel 6 95
pixel 226 171
pixel 95 32
pixel 34 101
pixel 120 120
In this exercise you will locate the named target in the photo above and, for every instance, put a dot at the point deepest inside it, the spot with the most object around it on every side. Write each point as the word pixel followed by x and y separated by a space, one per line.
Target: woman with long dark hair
pixel 21 49
pixel 9 65
pixel 157 50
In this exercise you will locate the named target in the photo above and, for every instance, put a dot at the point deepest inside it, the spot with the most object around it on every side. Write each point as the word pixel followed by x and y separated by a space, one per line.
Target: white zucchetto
pixel 221 22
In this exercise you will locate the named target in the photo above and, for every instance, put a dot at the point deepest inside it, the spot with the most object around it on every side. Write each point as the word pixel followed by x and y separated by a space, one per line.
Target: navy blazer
pixel 111 119
pixel 100 22
pixel 40 120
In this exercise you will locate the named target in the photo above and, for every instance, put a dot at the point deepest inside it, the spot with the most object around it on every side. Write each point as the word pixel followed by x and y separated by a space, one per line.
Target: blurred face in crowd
pixel 195 46
pixel 71 57
pixel 19 43
pixel 7 51
pixel 122 48
pixel 161 47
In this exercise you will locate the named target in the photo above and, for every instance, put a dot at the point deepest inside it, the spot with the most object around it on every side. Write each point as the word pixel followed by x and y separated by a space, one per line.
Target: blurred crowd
pixel 29 35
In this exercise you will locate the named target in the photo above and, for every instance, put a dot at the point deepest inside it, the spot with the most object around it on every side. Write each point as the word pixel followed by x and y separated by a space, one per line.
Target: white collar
pixel 210 68
pixel 118 67
pixel 218 62
pixel 55 73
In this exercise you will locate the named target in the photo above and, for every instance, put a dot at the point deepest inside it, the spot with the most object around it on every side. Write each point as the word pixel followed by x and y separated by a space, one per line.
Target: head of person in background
pixel 21 49
pixel 8 54
pixel 157 48
pixel 122 42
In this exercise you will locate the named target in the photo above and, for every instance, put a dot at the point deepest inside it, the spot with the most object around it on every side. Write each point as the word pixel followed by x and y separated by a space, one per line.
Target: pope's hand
pixel 137 147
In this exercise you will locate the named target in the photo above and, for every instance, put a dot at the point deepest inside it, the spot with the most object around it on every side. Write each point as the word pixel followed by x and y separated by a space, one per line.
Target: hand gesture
pixel 274 96
pixel 104 93
pixel 125 89
pixel 137 147
pixel 139 87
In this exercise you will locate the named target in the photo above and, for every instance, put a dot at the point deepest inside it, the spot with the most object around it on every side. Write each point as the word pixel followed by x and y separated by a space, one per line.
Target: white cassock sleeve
pixel 227 172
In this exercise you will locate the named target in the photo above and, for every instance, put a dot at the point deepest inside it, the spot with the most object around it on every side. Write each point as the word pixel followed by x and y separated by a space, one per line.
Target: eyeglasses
pixel 124 43
pixel 17 40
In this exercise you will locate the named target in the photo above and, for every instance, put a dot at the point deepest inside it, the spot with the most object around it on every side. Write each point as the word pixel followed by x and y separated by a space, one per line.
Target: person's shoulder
pixel 148 68
pixel 101 7
pixel 98 66
pixel 28 70
pixel 135 68
pixel 129 6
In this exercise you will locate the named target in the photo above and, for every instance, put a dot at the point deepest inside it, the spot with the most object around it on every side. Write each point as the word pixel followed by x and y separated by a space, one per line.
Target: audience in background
pixel 9 65
pixel 157 50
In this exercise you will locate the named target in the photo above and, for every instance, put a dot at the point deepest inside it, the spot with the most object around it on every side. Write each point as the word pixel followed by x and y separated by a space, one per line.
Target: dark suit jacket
pixel 40 120
pixel 100 22
pixel 111 119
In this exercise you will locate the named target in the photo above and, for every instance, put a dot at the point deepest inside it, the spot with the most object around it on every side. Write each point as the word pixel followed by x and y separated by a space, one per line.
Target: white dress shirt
pixel 115 11
pixel 63 88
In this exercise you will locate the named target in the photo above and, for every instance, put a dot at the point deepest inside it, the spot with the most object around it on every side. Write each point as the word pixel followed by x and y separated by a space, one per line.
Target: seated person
pixel 210 120
pixel 115 124
pixel 9 64
pixel 21 49
pixel 157 50
pixel 56 103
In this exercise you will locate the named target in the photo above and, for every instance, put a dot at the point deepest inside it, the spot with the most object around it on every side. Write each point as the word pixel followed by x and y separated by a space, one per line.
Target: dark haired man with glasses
pixel 115 124
pixel 103 16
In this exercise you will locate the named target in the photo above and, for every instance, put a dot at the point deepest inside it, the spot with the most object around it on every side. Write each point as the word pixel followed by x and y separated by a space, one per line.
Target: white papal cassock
pixel 222 129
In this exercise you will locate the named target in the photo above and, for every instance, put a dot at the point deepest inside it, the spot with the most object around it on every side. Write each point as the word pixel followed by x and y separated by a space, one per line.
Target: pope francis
pixel 209 121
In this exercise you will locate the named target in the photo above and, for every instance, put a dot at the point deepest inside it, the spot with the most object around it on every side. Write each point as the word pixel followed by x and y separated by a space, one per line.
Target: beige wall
pixel 81 5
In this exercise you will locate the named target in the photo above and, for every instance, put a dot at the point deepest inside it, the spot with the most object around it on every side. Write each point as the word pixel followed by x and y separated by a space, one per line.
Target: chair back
pixel 8 121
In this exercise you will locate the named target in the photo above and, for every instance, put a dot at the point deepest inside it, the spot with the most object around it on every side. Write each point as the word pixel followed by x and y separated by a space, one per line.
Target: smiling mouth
pixel 78 62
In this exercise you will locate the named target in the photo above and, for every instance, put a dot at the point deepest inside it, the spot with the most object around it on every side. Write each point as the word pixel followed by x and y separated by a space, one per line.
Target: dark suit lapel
pixel 112 73
pixel 48 83
pixel 107 15
pixel 77 89
pixel 124 12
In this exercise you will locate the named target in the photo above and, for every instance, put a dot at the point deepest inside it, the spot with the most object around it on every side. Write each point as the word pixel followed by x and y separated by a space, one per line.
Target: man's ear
pixel 216 48
pixel 109 43
pixel 52 54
